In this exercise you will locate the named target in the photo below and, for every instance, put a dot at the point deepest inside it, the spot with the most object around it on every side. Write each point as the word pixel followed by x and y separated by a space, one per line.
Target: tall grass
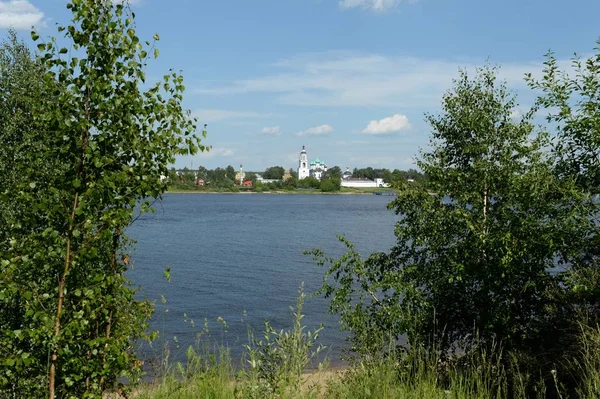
pixel 275 363
pixel 589 366
pixel 275 367
pixel 205 375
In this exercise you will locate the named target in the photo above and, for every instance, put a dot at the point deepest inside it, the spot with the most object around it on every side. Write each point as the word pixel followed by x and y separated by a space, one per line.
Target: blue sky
pixel 350 79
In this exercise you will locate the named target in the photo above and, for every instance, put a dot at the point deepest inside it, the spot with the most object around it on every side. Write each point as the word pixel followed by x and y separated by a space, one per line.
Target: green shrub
pixel 275 363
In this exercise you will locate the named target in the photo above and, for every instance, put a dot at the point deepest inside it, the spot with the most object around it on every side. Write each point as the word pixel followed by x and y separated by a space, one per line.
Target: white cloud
pixel 213 115
pixel 20 14
pixel 518 113
pixel 387 125
pixel 316 131
pixel 271 131
pixel 376 5
pixel 217 152
pixel 132 2
pixel 342 79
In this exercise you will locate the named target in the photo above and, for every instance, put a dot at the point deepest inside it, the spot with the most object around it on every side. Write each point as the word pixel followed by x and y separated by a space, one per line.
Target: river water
pixel 240 258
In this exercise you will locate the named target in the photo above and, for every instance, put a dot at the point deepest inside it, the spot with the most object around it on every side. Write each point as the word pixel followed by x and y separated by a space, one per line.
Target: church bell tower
pixel 303 170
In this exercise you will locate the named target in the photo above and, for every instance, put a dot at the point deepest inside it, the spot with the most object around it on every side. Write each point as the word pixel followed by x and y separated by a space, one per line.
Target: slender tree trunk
pixel 113 264
pixel 485 226
pixel 61 298
pixel 485 205
pixel 107 335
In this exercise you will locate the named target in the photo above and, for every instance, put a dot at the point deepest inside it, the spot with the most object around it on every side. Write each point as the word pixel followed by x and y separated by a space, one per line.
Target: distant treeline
pixel 228 178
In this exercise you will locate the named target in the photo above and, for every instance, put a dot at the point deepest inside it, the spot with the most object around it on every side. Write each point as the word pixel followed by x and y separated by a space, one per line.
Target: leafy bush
pixel 68 316
pixel 309 182
pixel 330 185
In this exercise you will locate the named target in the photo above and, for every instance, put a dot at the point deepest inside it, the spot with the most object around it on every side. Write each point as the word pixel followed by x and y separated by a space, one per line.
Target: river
pixel 240 258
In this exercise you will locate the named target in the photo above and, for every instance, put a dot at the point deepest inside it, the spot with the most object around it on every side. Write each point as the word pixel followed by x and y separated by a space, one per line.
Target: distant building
pixel 303 170
pixel 347 174
pixel 349 181
pixel 240 175
pixel 287 175
pixel 259 178
pixel 363 183
pixel 317 168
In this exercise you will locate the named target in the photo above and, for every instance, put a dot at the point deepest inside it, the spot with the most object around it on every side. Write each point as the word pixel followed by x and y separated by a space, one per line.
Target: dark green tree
pixel 188 176
pixel 334 172
pixel 330 185
pixel 21 89
pixel 387 176
pixel 24 165
pixel 230 172
pixel 202 173
pixel 274 172
pixel 309 182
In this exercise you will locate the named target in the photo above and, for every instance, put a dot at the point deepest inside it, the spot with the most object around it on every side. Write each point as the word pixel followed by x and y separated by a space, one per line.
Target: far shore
pixel 285 192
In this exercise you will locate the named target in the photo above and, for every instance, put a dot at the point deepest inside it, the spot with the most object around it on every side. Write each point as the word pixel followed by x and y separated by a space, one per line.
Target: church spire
pixel 303 170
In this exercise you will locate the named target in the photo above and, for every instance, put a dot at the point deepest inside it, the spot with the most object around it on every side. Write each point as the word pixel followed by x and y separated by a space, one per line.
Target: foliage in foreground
pixel 276 367
pixel 273 365
pixel 417 374
pixel 502 254
pixel 86 146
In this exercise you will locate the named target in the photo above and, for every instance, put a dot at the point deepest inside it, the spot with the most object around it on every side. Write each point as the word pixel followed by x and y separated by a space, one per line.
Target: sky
pixel 349 79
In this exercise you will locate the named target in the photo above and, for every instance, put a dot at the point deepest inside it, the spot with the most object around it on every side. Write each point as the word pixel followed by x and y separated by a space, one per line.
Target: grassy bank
pixel 375 381
pixel 414 377
pixel 275 365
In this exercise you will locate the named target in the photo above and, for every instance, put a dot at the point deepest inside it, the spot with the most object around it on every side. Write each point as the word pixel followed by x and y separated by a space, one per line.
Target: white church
pixel 315 169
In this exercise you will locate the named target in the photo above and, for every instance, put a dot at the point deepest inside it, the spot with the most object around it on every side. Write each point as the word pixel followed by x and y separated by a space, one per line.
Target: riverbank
pixel 291 192
pixel 224 384
pixel 415 377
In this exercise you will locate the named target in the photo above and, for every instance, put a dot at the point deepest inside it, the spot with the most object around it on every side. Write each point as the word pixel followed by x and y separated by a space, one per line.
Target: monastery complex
pixel 317 168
